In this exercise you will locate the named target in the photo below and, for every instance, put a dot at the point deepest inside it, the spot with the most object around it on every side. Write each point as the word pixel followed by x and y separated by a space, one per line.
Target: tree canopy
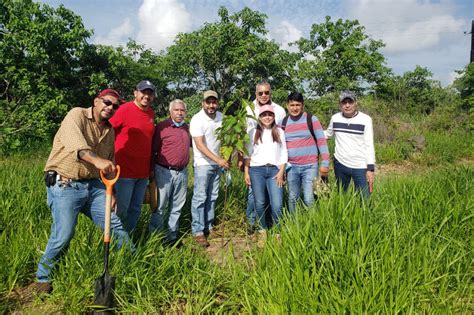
pixel 47 66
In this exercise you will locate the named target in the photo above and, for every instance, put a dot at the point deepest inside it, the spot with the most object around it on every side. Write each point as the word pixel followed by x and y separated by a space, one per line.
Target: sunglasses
pixel 115 106
pixel 263 92
pixel 265 114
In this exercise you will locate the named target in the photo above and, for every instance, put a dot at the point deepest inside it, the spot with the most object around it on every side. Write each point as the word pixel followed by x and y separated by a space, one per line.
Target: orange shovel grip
pixel 109 183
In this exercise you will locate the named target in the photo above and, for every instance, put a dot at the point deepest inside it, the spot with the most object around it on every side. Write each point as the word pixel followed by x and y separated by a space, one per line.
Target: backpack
pixel 309 121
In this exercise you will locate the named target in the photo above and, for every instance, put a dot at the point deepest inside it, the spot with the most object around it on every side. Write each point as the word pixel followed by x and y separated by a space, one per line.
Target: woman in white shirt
pixel 265 166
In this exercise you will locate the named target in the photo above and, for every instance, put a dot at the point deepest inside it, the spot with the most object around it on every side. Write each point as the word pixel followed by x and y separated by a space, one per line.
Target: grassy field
pixel 408 250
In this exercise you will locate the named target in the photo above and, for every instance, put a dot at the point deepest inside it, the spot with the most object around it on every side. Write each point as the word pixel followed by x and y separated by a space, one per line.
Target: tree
pixel 465 85
pixel 413 92
pixel 340 55
pixel 40 49
pixel 228 55
pixel 122 68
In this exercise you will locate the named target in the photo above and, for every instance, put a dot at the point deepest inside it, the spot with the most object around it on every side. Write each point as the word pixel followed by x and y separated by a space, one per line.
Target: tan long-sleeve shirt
pixel 79 131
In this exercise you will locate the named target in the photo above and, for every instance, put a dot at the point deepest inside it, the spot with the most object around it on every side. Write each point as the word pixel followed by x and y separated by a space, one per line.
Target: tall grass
pixel 407 250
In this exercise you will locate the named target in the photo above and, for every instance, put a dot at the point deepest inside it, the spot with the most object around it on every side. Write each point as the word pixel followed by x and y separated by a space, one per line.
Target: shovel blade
pixel 104 291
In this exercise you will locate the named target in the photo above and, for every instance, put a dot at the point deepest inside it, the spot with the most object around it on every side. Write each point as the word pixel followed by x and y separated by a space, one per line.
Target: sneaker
pixel 35 289
pixel 201 240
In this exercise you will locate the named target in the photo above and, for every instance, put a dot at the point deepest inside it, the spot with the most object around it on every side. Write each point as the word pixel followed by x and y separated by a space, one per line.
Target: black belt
pixel 172 167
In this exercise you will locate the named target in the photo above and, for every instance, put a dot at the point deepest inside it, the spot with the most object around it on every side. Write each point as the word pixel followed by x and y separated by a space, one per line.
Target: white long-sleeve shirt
pixel 267 151
pixel 354 140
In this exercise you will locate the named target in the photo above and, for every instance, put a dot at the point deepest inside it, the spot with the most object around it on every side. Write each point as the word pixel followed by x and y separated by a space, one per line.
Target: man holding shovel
pixel 82 148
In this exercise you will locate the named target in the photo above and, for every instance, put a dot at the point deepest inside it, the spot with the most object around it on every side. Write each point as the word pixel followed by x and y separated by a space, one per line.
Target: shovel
pixel 105 284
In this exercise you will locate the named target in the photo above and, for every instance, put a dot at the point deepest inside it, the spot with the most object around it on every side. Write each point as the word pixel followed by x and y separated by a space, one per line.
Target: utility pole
pixel 472 41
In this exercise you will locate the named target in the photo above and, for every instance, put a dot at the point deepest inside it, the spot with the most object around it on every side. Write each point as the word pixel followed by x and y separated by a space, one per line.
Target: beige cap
pixel 210 93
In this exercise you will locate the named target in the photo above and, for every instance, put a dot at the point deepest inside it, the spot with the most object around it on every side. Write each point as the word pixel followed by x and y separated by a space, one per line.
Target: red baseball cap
pixel 109 92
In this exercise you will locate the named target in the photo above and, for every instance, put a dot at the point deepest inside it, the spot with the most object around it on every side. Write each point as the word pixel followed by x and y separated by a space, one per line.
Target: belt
pixel 173 168
pixel 60 178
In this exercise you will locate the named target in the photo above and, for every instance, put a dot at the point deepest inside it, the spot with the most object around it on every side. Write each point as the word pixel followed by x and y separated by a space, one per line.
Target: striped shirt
pixel 79 131
pixel 354 140
pixel 301 146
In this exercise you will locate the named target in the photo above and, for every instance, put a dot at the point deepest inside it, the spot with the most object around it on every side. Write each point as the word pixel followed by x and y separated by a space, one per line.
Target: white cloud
pixel 117 36
pixel 284 33
pixel 160 21
pixel 407 25
pixel 453 75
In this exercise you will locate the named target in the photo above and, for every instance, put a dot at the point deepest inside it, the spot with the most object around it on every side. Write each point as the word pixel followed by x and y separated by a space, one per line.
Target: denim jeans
pixel 172 188
pixel 263 182
pixel 250 211
pixel 300 177
pixel 66 202
pixel 130 193
pixel 358 175
pixel 206 190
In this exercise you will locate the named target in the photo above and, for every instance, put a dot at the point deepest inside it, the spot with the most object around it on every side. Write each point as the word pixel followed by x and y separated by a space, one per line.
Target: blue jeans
pixel 300 177
pixel 66 202
pixel 263 182
pixel 250 211
pixel 358 175
pixel 172 188
pixel 130 193
pixel 206 190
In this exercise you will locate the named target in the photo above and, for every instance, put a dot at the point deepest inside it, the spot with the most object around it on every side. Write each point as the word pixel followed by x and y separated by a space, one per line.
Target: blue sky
pixel 416 32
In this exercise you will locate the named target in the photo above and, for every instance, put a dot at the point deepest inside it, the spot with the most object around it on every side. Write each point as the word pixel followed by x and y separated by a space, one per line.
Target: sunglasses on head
pixel 263 92
pixel 115 106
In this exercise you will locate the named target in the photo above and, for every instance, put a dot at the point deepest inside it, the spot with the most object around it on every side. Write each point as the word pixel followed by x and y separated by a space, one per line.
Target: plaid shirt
pixel 79 131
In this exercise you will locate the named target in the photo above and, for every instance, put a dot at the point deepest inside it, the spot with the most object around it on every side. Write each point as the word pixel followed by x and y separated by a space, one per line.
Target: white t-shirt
pixel 354 140
pixel 252 123
pixel 203 125
pixel 267 151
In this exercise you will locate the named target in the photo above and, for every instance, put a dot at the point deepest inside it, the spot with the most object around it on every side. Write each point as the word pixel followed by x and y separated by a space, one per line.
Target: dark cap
pixel 347 94
pixel 144 85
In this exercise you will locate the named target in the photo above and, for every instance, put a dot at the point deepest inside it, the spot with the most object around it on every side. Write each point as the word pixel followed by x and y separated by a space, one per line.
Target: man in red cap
pixel 82 147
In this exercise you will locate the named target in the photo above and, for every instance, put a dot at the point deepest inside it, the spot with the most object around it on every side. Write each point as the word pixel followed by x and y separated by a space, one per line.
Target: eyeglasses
pixel 263 92
pixel 347 101
pixel 115 106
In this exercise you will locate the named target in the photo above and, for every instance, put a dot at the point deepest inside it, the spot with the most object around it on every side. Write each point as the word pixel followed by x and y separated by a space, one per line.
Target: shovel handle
pixel 109 184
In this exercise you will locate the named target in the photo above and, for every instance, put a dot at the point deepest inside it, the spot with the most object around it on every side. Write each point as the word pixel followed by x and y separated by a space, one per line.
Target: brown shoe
pixel 201 240
pixel 35 289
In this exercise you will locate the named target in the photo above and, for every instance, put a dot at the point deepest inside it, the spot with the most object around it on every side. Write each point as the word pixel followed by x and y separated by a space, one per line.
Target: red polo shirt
pixel 171 144
pixel 133 137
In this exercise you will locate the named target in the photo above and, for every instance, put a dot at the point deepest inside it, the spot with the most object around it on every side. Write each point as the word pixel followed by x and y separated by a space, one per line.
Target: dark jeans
pixel 358 175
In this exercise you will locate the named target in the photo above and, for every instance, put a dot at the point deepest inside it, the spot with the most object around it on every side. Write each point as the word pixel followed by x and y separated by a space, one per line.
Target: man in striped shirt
pixel 354 156
pixel 305 146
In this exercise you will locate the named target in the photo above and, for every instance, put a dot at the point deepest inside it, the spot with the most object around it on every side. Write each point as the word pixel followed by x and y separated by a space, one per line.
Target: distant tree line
pixel 48 66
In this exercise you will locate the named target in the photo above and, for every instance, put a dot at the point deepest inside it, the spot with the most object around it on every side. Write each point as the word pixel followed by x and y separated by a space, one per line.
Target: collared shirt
pixel 267 151
pixel 79 131
pixel 204 126
pixel 134 129
pixel 171 144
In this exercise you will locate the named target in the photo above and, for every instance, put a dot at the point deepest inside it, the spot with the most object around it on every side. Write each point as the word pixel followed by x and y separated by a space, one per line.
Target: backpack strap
pixel 309 121
pixel 284 122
